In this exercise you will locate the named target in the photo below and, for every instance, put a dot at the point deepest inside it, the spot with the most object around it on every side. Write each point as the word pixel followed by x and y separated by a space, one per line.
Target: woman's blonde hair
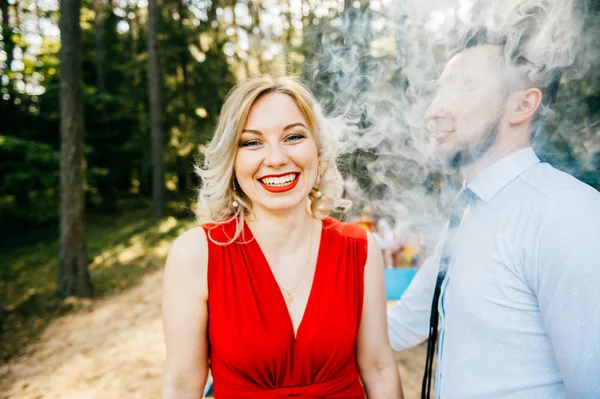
pixel 219 189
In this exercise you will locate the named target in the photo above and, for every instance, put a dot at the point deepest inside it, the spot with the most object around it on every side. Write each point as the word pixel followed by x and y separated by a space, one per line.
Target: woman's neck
pixel 281 232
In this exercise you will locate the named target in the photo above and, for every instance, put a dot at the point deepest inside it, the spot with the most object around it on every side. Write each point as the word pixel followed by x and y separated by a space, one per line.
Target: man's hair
pixel 514 54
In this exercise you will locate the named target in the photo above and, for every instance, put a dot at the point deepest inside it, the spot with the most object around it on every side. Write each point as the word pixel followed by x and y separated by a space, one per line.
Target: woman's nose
pixel 276 156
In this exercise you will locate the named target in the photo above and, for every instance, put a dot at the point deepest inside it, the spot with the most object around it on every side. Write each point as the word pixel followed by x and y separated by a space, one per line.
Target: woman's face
pixel 277 161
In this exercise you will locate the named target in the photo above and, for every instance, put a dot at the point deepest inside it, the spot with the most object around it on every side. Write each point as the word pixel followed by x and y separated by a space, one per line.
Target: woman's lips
pixel 279 187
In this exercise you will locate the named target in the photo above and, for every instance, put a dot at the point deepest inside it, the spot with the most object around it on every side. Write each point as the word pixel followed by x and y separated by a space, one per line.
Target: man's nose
pixel 436 109
pixel 276 156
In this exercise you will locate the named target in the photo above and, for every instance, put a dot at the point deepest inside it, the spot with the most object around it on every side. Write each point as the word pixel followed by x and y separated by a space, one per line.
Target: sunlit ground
pixel 115 349
pixel 112 346
pixel 121 249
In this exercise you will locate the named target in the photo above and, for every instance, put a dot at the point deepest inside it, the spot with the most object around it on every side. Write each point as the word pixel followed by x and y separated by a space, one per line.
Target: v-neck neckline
pixel 275 285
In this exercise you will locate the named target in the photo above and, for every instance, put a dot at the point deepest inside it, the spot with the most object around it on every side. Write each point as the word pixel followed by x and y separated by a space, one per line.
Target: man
pixel 519 308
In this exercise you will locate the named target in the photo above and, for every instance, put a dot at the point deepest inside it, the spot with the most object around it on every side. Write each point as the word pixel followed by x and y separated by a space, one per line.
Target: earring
pixel 235 203
pixel 318 193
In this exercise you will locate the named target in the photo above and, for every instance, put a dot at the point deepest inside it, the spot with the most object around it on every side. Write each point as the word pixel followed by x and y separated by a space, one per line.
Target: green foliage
pixel 196 76
pixel 123 242
pixel 571 141
pixel 121 248
pixel 30 178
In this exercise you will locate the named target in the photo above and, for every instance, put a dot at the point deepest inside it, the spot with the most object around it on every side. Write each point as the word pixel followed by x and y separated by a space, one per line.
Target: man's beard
pixel 474 153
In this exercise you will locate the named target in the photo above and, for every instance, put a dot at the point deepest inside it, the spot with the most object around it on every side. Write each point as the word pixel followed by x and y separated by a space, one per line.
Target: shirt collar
pixel 493 179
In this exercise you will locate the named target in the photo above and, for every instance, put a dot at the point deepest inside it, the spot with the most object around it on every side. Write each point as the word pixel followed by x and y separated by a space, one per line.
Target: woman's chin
pixel 283 205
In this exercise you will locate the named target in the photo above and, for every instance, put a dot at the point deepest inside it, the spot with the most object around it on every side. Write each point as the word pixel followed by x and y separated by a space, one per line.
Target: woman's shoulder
pixel 185 274
pixel 190 245
pixel 350 238
pixel 345 230
pixel 224 232
pixel 186 264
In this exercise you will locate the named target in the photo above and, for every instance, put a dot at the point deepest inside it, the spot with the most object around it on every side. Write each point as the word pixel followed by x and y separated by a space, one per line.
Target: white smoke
pixel 377 72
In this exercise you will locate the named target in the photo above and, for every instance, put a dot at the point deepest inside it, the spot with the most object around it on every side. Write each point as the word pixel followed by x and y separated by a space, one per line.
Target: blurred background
pixel 141 84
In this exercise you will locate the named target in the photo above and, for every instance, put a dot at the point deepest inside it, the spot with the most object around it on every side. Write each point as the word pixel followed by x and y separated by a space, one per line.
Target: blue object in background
pixel 397 281
pixel 208 389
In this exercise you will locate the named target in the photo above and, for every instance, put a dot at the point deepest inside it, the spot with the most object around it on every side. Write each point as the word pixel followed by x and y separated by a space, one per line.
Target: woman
pixel 277 298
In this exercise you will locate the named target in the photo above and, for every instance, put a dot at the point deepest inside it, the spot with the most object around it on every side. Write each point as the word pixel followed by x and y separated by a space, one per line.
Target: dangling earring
pixel 318 193
pixel 235 203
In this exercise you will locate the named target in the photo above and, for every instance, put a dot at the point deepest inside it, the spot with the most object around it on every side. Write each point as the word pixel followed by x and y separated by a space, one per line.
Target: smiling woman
pixel 277 163
pixel 267 114
pixel 290 301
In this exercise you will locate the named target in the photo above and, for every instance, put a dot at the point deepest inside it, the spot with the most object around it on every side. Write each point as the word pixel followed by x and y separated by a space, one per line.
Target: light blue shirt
pixel 520 306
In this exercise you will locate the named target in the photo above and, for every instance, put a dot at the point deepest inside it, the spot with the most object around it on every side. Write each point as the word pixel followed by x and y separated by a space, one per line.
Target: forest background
pixel 141 84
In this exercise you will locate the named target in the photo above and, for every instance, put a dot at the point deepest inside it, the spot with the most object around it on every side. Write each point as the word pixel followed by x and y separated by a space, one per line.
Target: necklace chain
pixel 288 294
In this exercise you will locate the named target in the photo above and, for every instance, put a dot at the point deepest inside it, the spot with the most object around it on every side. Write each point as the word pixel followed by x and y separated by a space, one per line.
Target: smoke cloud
pixel 375 74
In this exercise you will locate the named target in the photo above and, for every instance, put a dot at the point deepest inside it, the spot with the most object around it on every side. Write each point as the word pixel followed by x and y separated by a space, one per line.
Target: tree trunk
pixel 100 63
pixel 287 38
pixel 9 45
pixel 107 186
pixel 17 13
pixel 74 278
pixel 4 9
pixel 253 37
pixel 347 5
pixel 158 162
pixel 182 164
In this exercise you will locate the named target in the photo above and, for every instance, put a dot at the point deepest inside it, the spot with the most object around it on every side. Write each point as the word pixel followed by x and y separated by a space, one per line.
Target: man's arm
pixel 408 319
pixel 568 290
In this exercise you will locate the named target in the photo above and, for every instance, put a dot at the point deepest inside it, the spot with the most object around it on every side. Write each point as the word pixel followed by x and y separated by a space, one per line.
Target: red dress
pixel 253 351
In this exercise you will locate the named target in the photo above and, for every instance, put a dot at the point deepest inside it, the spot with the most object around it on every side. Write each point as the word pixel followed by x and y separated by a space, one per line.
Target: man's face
pixel 467 111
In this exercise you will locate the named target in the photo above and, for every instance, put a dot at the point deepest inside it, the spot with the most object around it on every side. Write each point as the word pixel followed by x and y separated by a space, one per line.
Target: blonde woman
pixel 278 299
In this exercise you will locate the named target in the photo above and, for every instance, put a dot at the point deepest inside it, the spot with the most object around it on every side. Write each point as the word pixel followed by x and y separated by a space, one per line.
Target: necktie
pixel 463 201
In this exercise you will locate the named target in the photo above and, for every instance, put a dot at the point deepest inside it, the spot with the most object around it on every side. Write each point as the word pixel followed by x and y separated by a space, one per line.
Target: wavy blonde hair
pixel 219 188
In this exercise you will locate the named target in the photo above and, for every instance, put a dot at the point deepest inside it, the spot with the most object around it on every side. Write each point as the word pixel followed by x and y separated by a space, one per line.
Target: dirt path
pixel 114 349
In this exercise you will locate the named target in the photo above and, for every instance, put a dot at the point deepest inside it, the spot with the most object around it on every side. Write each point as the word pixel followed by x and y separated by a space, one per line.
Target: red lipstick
pixel 280 189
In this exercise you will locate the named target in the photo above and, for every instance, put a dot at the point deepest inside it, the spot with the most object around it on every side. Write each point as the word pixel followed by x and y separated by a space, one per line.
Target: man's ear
pixel 524 105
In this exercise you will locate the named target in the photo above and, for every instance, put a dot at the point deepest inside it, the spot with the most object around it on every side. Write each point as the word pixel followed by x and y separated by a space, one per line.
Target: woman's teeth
pixel 279 181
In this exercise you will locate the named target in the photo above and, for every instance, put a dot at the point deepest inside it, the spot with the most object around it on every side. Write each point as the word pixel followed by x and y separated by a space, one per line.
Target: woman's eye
pixel 250 143
pixel 295 137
